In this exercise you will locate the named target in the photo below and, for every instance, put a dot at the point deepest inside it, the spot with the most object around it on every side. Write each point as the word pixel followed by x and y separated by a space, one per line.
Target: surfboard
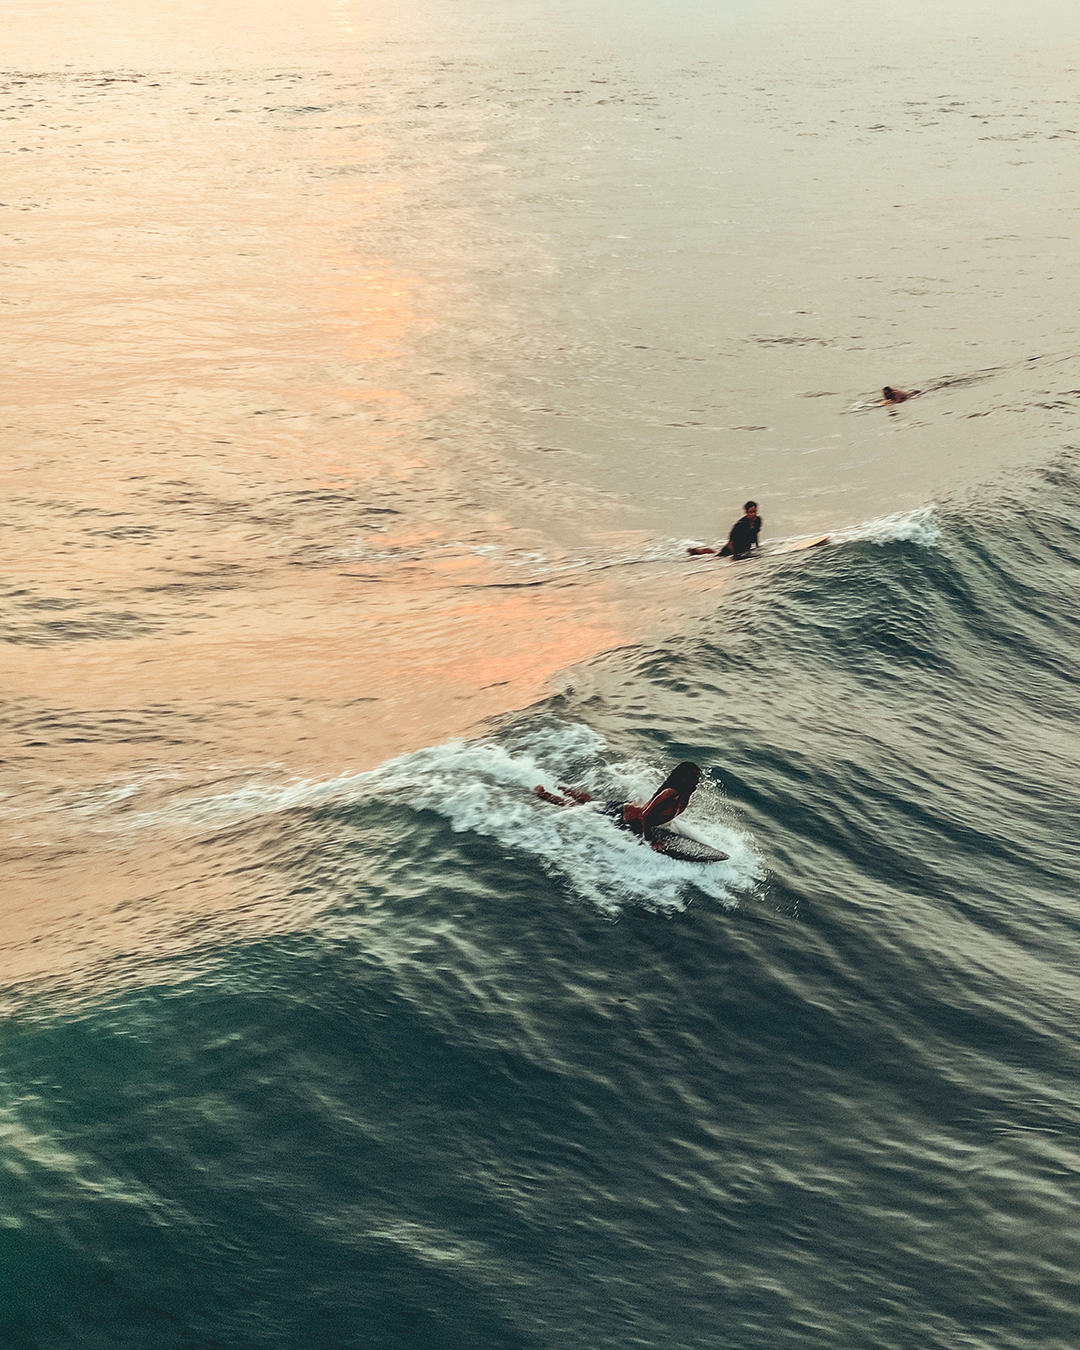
pixel 683 846
pixel 792 546
pixel 681 841
pixel 797 545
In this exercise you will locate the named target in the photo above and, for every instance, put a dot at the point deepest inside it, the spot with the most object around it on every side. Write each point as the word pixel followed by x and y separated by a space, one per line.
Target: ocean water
pixel 372 379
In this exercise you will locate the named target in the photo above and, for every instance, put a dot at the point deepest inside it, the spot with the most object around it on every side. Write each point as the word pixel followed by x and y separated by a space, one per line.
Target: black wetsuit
pixel 616 811
pixel 743 537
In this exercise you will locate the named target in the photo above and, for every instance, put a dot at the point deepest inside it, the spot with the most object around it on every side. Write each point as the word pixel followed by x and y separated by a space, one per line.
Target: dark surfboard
pixel 682 849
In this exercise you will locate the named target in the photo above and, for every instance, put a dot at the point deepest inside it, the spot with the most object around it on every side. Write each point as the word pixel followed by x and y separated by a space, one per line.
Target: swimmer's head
pixel 684 778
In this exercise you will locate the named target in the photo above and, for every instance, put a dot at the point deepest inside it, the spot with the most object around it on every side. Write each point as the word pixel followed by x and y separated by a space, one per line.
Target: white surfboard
pixel 769 550
pixel 797 545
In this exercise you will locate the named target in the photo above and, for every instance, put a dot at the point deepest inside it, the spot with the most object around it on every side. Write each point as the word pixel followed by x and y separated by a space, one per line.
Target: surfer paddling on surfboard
pixel 889 395
pixel 645 820
pixel 742 539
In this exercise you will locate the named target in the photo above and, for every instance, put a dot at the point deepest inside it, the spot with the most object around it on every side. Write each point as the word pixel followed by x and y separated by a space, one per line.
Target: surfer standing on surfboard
pixel 742 539
pixel 671 800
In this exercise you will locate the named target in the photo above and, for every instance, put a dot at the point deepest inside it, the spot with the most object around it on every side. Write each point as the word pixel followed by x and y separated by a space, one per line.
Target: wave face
pixel 515 1081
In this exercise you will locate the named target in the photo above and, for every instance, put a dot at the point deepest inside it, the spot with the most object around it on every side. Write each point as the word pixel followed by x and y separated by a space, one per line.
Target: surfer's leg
pixel 572 797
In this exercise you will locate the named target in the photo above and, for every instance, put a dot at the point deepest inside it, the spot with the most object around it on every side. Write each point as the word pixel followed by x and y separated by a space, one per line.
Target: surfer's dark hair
pixel 748 505
pixel 684 778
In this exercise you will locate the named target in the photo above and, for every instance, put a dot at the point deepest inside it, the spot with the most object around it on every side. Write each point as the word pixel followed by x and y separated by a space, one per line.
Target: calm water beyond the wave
pixel 368 369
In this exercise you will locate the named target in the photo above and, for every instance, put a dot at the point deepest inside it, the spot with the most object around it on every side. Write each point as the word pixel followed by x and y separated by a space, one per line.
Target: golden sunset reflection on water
pixel 369 366
pixel 259 545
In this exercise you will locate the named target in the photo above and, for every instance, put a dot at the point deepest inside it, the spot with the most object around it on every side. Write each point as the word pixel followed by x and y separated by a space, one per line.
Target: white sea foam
pixel 919 526
pixel 486 787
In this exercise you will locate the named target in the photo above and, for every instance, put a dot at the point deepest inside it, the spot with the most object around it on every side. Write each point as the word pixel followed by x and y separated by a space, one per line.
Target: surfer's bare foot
pixel 694 552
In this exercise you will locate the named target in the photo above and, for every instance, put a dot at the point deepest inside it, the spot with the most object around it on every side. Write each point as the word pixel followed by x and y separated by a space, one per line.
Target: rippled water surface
pixel 369 370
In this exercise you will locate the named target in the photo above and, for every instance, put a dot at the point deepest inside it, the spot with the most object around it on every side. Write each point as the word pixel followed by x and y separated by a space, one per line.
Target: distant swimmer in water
pixel 742 539
pixel 671 800
pixel 897 395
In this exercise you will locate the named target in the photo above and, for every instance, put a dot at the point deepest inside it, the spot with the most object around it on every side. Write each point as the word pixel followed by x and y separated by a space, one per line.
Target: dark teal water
pixel 515 1082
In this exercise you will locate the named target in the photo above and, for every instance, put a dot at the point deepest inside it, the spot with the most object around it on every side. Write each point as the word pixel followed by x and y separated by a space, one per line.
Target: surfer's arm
pixel 643 820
